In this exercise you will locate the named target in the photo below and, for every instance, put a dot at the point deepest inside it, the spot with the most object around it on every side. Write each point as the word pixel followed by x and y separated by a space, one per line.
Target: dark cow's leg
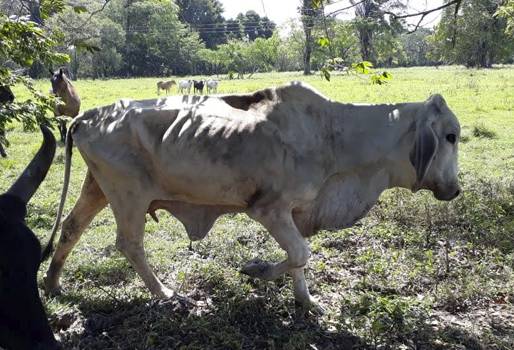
pixel 91 202
pixel 279 222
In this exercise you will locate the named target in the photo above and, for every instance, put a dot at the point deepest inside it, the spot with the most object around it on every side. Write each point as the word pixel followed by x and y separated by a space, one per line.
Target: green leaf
pixel 79 9
pixel 325 73
pixel 387 75
pixel 316 4
pixel 361 67
pixel 323 42
pixel 367 64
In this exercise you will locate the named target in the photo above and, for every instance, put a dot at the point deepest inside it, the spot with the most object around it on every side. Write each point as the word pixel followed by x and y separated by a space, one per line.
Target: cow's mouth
pixel 447 194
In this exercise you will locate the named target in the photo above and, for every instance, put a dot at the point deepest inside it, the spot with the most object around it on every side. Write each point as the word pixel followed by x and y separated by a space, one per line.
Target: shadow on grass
pixel 237 322
pixel 113 317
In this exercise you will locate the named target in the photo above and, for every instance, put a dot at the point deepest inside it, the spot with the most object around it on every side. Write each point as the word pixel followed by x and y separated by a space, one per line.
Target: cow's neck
pixel 376 137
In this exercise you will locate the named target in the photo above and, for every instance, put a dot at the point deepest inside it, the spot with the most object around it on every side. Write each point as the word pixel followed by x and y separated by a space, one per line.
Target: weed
pixel 480 130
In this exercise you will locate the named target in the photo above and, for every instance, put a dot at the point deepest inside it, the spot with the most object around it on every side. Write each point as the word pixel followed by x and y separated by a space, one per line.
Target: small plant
pixel 465 138
pixel 384 320
pixel 480 130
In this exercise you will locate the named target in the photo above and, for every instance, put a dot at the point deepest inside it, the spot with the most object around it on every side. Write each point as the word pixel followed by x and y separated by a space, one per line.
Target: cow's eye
pixel 451 138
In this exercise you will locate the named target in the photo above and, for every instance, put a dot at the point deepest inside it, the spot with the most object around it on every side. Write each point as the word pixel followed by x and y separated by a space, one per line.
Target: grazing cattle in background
pixel 62 87
pixel 23 322
pixel 212 86
pixel 198 86
pixel 184 86
pixel 165 85
pixel 6 96
pixel 288 157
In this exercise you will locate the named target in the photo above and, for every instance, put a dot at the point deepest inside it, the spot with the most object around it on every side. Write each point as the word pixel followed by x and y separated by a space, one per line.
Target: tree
pixel 475 36
pixel 213 60
pixel 309 11
pixel 506 11
pixel 156 43
pixel 417 47
pixel 205 16
pixel 370 20
pixel 234 29
pixel 255 26
pixel 290 51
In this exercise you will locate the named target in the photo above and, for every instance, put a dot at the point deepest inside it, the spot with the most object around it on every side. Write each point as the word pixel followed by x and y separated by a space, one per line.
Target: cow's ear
pixel 425 148
pixel 61 72
pixel 437 102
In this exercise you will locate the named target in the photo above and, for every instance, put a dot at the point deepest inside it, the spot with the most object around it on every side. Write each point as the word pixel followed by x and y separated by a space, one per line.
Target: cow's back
pixel 178 148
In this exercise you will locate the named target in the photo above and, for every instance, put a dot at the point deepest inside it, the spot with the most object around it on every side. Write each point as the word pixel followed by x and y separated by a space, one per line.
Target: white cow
pixel 184 86
pixel 212 86
pixel 288 157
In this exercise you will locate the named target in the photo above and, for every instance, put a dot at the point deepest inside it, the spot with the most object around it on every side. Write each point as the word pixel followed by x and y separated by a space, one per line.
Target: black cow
pixel 23 322
pixel 6 96
pixel 198 86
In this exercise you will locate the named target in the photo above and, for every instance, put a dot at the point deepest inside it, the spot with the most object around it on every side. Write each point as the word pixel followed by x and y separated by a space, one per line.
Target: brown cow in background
pixel 62 87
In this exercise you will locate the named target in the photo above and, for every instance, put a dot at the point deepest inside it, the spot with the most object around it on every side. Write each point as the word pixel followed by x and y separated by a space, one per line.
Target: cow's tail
pixel 67 169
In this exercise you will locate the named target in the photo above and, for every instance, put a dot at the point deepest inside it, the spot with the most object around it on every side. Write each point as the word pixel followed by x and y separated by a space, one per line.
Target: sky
pixel 281 11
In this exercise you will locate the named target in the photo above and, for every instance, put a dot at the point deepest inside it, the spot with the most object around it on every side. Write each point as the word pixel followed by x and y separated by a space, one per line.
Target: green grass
pixel 414 273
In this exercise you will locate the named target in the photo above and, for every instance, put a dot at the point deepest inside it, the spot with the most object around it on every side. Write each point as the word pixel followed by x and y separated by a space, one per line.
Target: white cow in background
pixel 212 86
pixel 184 86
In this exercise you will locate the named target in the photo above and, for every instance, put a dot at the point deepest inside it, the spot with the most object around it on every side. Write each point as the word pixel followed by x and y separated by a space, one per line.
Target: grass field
pixel 414 274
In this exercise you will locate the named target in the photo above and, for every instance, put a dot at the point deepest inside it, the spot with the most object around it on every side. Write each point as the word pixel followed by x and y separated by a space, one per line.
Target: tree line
pixel 160 38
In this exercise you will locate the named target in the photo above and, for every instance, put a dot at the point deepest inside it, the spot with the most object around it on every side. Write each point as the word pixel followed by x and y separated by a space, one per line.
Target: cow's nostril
pixel 457 193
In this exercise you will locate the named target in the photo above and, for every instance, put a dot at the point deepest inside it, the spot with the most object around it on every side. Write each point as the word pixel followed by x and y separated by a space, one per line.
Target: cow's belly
pixel 205 186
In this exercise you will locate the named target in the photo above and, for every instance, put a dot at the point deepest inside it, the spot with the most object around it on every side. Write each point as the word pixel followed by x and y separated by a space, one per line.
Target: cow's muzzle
pixel 447 193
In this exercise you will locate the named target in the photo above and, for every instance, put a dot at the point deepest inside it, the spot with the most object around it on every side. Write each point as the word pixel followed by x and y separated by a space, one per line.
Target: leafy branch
pixel 24 42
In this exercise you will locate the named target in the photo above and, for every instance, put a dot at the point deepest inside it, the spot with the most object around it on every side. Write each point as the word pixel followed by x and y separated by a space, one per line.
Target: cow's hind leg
pixel 130 220
pixel 281 226
pixel 91 201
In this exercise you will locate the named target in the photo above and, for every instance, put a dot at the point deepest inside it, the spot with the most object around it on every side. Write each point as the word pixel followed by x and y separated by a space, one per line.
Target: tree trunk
pixel 35 11
pixel 307 53
pixel 307 13
pixel 365 36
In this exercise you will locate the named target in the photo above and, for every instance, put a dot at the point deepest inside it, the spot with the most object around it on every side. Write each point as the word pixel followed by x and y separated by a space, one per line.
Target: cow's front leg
pixel 281 226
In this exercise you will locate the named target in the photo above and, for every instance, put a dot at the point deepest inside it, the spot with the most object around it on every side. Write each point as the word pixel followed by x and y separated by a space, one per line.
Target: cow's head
pixel 434 155
pixel 23 322
pixel 57 80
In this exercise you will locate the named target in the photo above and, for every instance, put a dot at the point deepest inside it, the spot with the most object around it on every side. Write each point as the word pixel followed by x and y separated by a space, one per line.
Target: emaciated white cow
pixel 288 157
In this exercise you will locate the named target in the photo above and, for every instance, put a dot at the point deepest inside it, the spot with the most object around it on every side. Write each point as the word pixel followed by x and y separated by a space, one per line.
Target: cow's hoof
pixel 316 309
pixel 51 289
pixel 258 269
pixel 310 307
pixel 165 293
